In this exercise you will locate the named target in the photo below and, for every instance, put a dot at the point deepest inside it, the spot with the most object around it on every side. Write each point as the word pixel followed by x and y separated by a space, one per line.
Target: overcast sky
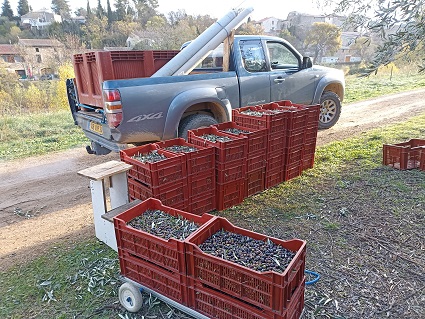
pixel 215 8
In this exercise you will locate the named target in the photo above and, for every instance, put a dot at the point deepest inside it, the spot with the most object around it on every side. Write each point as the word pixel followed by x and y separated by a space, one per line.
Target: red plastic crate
pixel 271 121
pixel 168 254
pixel 170 170
pixel 230 194
pixel 275 161
pixel 255 182
pixel 256 161
pixel 295 139
pixel 422 160
pixel 196 162
pixel 293 170
pixel 268 290
pixel 311 134
pixel 308 155
pixel 294 155
pixel 276 142
pixel 313 112
pixel 257 138
pixel 274 177
pixel 175 195
pixel 170 284
pixel 236 149
pixel 200 184
pixel 93 68
pixel 203 204
pixel 299 116
pixel 230 171
pixel 215 304
pixel 404 155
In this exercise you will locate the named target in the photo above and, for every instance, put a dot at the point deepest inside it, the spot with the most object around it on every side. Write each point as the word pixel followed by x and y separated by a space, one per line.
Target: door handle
pixel 279 80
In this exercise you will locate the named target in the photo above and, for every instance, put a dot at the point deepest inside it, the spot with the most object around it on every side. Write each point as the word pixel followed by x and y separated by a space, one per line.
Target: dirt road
pixel 43 200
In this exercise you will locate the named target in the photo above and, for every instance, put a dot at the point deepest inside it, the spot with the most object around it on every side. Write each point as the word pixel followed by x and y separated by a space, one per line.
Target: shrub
pixel 66 71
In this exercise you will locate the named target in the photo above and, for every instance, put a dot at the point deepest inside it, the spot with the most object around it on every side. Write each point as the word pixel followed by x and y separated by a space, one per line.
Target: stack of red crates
pixel 222 289
pixel 165 180
pixel 274 123
pixel 201 179
pixel 256 155
pixel 212 286
pixel 230 167
pixel 312 128
pixel 152 261
pixel 301 127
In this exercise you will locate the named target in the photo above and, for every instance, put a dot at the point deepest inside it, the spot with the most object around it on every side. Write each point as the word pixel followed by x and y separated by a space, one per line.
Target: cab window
pixel 253 56
pixel 214 61
pixel 281 58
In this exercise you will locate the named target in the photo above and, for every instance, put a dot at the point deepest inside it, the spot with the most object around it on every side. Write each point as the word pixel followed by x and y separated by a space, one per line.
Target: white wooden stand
pixel 116 172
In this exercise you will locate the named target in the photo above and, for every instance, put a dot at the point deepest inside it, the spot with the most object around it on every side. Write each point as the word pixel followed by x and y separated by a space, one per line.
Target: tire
pixel 97 149
pixel 130 297
pixel 193 122
pixel 330 109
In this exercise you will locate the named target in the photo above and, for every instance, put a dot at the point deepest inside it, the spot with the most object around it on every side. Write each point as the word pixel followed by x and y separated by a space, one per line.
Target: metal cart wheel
pixel 130 297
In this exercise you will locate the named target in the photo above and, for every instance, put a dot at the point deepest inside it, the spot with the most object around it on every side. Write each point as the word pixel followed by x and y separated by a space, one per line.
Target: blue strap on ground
pixel 312 273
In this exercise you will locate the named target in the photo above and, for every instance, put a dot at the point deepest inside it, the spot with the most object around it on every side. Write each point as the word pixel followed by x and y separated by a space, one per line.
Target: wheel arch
pixel 197 101
pixel 335 86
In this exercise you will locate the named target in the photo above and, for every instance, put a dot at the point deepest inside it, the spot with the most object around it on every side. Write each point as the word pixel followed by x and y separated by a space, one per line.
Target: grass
pixel 362 88
pixel 363 224
pixel 38 134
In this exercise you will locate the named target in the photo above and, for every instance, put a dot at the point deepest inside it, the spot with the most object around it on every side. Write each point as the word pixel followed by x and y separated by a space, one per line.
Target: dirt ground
pixel 44 201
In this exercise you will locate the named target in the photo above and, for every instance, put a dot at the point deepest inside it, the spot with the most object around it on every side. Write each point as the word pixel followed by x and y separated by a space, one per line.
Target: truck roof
pixel 245 37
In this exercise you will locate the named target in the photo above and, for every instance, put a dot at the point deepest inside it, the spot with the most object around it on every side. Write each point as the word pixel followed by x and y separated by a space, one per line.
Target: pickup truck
pixel 260 69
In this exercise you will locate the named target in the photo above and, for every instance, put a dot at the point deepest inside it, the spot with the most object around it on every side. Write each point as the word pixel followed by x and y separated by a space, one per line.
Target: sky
pixel 216 8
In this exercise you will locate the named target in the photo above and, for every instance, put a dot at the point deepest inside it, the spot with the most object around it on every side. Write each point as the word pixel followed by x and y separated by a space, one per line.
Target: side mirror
pixel 307 62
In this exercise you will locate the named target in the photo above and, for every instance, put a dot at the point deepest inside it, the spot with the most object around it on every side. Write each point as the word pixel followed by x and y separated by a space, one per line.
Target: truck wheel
pixel 97 149
pixel 193 122
pixel 330 109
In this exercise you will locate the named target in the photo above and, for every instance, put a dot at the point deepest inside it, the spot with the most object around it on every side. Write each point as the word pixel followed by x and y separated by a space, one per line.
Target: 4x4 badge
pixel 151 116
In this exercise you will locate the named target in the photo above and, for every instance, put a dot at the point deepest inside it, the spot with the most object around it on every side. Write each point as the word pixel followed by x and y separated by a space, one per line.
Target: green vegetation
pixel 362 88
pixel 349 208
pixel 37 134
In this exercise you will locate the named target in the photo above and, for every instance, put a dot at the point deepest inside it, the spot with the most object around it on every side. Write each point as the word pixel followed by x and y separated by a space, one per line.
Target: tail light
pixel 112 107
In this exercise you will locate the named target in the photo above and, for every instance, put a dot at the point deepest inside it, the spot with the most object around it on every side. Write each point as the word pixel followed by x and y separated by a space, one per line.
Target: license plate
pixel 96 128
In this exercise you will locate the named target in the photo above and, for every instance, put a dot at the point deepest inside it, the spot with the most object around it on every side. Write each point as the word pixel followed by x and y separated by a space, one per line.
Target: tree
pixel 121 9
pixel 88 10
pixel 95 31
pixel 81 12
pixel 99 11
pixel 364 48
pixel 7 10
pixel 250 28
pixel 61 7
pixel 323 38
pixel 145 9
pixel 109 12
pixel 23 7
pixel 399 23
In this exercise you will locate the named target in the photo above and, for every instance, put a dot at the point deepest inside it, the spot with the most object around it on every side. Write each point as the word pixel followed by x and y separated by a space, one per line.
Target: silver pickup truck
pixel 261 69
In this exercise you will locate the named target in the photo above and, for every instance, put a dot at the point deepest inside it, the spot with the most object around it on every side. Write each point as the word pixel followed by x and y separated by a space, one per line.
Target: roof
pixel 36 14
pixel 40 43
pixel 8 49
pixel 265 19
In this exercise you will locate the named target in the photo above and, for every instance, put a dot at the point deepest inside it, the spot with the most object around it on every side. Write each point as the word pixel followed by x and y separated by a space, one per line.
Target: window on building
pixel 37 50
